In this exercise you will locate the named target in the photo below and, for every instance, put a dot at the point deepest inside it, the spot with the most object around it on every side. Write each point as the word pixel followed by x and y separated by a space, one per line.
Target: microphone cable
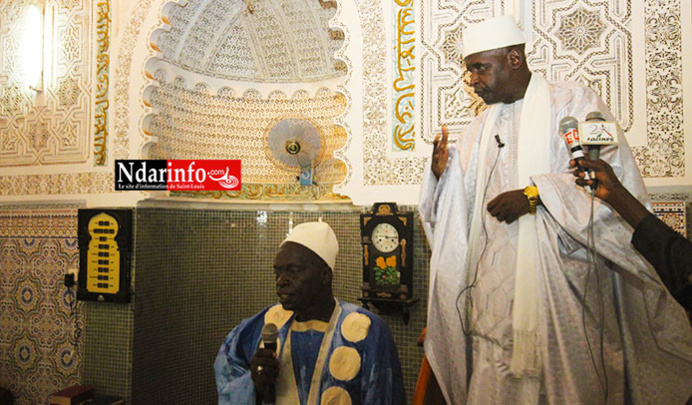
pixel 592 262
pixel 469 297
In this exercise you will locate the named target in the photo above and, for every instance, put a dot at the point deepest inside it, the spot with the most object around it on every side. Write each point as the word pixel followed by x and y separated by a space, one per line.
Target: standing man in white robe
pixel 520 311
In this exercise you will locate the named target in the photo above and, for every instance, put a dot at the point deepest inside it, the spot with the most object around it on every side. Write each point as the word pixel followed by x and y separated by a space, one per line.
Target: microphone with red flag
pixel 569 128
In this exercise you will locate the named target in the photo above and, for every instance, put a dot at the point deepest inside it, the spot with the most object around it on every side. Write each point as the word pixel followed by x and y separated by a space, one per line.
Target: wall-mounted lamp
pixel 34 53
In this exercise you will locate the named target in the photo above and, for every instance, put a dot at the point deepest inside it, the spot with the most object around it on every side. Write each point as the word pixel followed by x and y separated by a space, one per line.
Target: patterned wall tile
pixel 39 352
pixel 673 214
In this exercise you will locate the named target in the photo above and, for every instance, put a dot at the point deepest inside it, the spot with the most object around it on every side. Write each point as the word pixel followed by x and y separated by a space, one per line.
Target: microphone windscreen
pixel 595 116
pixel 270 333
pixel 597 131
pixel 568 124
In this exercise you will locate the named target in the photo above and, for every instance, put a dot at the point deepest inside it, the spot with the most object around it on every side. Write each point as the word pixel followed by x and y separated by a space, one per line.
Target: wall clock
pixel 387 240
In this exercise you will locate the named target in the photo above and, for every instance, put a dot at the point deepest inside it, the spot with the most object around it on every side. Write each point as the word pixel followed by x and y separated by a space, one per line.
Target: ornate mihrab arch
pixel 226 74
pixel 218 76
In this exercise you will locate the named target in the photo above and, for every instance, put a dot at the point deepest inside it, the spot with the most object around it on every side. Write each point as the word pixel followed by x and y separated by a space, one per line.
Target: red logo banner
pixel 194 175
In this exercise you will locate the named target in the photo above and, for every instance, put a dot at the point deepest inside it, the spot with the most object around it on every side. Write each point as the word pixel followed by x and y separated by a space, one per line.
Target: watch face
pixel 531 192
pixel 385 237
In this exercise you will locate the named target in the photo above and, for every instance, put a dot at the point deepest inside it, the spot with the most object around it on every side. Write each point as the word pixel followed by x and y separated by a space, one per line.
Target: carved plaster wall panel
pixel 103 39
pixel 52 142
pixel 379 169
pixel 404 68
pixel 54 126
pixel 590 44
pixel 130 54
pixel 361 37
pixel 121 135
pixel 57 184
pixel 199 125
pixel 664 154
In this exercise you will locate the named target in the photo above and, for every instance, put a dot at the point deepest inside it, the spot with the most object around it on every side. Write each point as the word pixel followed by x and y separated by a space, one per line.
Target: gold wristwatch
pixel 531 193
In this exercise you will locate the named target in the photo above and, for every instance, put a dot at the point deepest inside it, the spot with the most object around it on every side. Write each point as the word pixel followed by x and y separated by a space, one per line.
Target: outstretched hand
pixel 440 153
pixel 509 206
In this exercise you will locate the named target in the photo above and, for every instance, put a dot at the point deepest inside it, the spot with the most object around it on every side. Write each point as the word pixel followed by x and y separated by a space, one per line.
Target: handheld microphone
pixel 596 132
pixel 569 130
pixel 270 333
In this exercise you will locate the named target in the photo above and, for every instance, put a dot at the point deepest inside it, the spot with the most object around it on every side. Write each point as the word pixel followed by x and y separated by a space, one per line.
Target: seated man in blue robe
pixel 328 351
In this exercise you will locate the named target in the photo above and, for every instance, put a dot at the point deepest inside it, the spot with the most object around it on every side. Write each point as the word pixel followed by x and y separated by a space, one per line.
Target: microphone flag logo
pixel 178 175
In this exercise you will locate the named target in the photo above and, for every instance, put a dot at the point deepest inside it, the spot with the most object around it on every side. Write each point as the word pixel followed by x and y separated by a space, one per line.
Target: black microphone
pixel 499 142
pixel 270 333
pixel 569 130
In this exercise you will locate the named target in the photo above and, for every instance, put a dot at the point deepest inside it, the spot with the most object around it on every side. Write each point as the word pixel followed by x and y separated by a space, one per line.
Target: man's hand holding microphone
pixel 609 189
pixel 264 365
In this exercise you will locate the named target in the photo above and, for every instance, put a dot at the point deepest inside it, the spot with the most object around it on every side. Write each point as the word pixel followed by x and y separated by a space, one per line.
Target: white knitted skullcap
pixel 493 33
pixel 318 237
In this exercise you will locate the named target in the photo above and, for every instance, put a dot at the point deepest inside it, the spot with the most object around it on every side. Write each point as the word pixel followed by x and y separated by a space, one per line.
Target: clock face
pixel 385 238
